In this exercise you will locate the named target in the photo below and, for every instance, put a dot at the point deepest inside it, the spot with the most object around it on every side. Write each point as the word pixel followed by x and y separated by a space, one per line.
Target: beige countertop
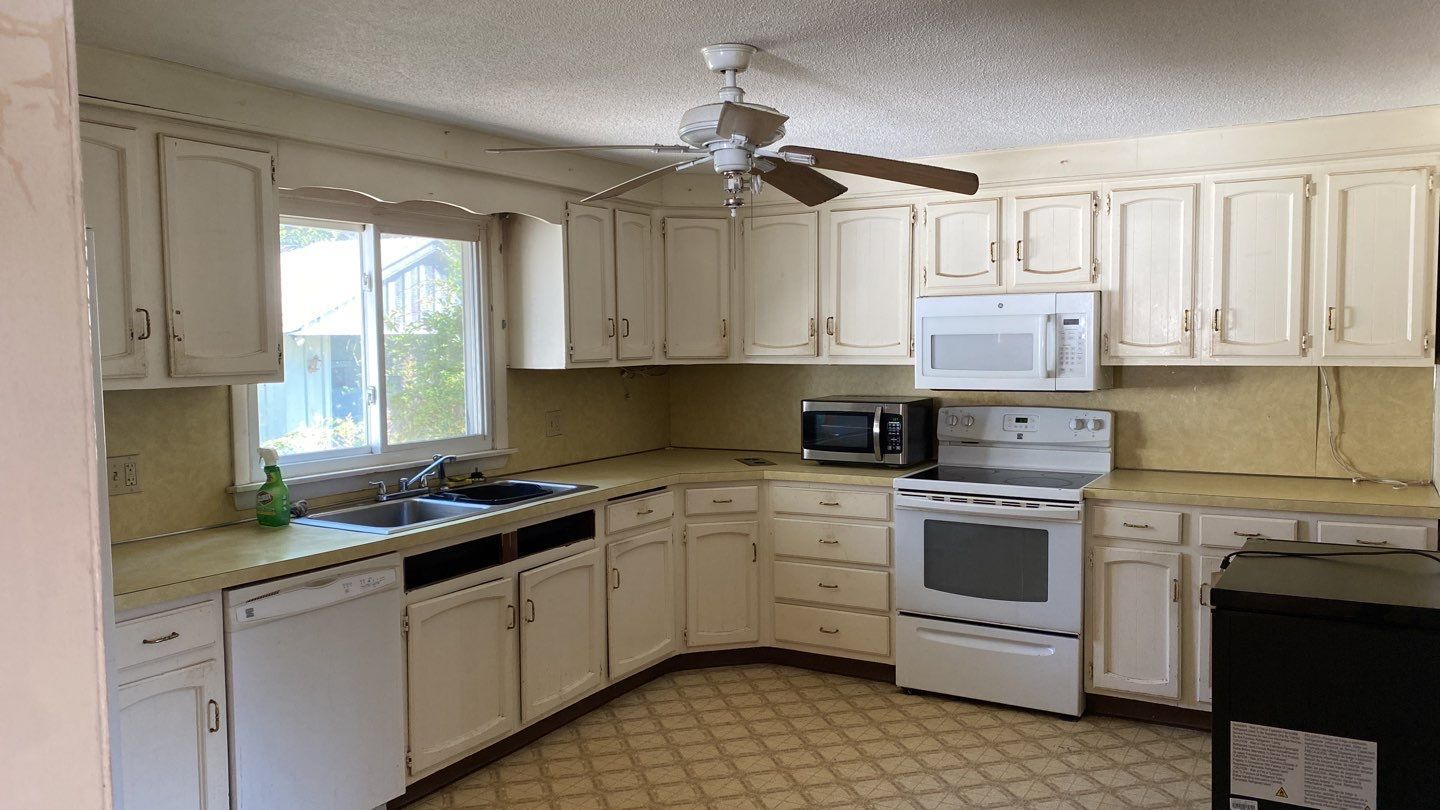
pixel 1327 495
pixel 160 569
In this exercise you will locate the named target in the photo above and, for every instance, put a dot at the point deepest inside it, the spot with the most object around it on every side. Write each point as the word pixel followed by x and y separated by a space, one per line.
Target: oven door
pixel 839 432
pixel 990 564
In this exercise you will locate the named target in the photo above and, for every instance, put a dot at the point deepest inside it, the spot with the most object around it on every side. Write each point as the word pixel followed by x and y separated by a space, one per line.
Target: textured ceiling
pixel 900 79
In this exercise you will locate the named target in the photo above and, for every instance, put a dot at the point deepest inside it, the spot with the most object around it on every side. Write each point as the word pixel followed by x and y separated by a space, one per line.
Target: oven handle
pixel 1047 512
pixel 875 433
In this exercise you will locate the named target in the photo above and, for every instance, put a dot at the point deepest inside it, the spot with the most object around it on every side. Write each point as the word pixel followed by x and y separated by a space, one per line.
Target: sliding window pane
pixel 423 297
pixel 320 408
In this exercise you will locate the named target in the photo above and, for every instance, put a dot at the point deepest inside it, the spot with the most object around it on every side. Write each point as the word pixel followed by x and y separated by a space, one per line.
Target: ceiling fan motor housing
pixel 697 125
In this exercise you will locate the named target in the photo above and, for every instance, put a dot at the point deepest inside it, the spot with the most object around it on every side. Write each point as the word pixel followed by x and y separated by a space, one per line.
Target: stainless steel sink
pixel 389 517
pixel 416 512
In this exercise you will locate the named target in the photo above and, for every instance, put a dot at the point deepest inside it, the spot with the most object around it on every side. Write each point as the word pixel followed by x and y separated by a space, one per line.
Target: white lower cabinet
pixel 562 642
pixel 722 583
pixel 641 595
pixel 1207 571
pixel 172 745
pixel 462 664
pixel 1134 623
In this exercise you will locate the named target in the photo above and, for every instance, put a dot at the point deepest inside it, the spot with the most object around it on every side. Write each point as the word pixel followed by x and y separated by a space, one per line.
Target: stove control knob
pixel 968 421
pixel 1077 424
pixel 952 420
pixel 1096 424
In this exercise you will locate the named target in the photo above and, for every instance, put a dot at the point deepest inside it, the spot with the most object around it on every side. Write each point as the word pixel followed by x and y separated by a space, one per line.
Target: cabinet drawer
pixel 625 515
pixel 1136 524
pixel 823 627
pixel 138 641
pixel 839 503
pixel 721 500
pixel 844 587
pixel 1231 531
pixel 1373 534
pixel 867 544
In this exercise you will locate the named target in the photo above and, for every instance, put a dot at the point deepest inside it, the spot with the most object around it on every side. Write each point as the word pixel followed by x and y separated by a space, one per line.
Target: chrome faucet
pixel 435 467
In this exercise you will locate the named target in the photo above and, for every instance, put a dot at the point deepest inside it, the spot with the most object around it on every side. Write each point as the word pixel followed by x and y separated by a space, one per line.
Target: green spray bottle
pixel 272 502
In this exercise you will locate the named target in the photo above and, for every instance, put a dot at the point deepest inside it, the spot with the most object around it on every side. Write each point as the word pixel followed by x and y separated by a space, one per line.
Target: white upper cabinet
pixel 1376 292
pixel 1256 278
pixel 1134 624
pixel 562 643
pixel 109 157
pixel 962 248
pixel 1054 245
pixel 780 276
pixel 641 593
pixel 221 240
pixel 1150 265
pixel 461 668
pixel 697 288
pixel 590 282
pixel 635 286
pixel 867 290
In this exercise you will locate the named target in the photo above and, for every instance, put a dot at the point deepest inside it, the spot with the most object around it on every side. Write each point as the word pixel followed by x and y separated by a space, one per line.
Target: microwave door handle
pixel 875 434
pixel 1052 345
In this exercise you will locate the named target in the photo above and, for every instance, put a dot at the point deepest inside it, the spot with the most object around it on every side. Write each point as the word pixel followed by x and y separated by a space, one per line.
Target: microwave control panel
pixel 1072 348
pixel 892 433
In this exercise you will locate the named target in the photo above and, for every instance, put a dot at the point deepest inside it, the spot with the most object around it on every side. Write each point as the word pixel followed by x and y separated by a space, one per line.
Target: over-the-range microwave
pixel 1019 342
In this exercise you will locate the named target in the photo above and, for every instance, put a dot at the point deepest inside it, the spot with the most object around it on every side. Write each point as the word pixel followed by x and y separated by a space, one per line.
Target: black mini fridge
pixel 1326 679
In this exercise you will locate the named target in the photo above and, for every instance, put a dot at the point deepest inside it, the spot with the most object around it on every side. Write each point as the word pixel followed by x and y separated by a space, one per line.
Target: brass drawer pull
pixel 829 503
pixel 644 512
pixel 721 500
pixel 829 541
pixel 829 587
pixel 827 631
pixel 1368 542
pixel 1137 525
pixel 171 636
pixel 1248 534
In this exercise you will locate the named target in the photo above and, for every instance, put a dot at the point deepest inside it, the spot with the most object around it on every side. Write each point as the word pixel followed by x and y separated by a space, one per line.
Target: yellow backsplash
pixel 183 438
pixel 1202 419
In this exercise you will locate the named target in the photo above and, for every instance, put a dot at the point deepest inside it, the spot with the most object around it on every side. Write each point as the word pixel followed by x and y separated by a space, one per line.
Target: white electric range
pixel 989 550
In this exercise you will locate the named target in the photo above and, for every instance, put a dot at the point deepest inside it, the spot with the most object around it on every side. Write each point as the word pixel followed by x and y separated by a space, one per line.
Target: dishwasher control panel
pixel 318 593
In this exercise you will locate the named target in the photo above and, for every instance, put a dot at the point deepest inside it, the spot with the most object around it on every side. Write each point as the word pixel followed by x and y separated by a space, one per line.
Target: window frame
pixel 485 394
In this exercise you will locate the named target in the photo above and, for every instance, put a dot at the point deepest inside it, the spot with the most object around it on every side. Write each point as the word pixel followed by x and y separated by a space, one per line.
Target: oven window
pixel 1005 563
pixel 841 431
pixel 1012 352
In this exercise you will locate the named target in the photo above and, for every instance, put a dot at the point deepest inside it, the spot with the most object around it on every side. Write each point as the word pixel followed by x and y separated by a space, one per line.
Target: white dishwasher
pixel 317 701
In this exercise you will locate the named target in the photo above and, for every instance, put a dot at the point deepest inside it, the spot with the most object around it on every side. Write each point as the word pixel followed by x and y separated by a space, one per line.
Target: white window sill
pixel 339 482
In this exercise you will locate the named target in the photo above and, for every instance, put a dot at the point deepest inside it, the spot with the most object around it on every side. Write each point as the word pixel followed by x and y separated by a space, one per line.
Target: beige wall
pixel 53 704
pixel 1240 420
pixel 183 438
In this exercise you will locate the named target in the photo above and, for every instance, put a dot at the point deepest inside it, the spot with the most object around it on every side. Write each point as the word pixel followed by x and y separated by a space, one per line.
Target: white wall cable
pixel 1334 424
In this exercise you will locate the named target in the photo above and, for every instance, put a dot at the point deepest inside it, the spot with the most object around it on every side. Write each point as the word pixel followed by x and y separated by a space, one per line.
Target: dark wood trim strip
pixel 1148 712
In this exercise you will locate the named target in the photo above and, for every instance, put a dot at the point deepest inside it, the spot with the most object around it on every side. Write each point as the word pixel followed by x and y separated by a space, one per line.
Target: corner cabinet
pixel 866 273
pixel 780 276
pixel 186 243
pixel 697 288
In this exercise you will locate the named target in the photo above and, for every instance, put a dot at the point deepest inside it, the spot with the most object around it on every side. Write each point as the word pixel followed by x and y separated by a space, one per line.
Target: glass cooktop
pixel 1049 479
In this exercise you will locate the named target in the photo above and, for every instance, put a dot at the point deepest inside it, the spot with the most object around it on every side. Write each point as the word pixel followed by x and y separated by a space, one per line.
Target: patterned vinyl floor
pixel 776 737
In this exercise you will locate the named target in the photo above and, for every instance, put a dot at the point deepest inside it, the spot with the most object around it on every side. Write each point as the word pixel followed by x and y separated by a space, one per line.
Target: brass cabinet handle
pixel 624 327
pixel 643 512
pixel 612 327
pixel 1137 525
pixel 721 500
pixel 146 313
pixel 724 327
pixel 754 553
pixel 171 636
pixel 214 716
pixel 530 609
pixel 812 327
pixel 1185 321
pixel 829 541
pixel 510 624
pixel 992 252
pixel 827 631
pixel 1365 541
pixel 1330 319
pixel 828 587
pixel 1215 321
pixel 1204 594
pixel 1017 249
pixel 830 326
pixel 616 586
pixel 1175 590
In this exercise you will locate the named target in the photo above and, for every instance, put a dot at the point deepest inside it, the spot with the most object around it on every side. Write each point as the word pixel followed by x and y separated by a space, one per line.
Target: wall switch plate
pixel 552 423
pixel 123 473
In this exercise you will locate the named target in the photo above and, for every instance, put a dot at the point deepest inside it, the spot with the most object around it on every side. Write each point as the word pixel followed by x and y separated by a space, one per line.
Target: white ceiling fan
pixel 733 134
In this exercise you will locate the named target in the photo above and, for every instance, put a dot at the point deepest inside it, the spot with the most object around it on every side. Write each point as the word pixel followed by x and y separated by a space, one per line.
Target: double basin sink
pixel 442 506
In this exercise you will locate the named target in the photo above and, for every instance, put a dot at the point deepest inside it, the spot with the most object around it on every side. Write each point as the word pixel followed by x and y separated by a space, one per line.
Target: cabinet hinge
pixel 1426 341
pixel 272 170
pixel 913 216
pixel 912 345
pixel 925 216
pixel 684 535
pixel 280 354
pixel 665 347
pixel 662 227
pixel 1094 270
pixel 1309 189
pixel 409 761
pixel 405 624
pixel 1304 342
pixel 1094 204
pixel 1105 350
pixel 685 634
pixel 1107 203
pixel 1430 182
pixel 1090 671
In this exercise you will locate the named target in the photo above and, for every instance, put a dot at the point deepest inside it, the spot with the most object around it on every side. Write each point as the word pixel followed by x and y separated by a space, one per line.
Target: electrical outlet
pixel 123 473
pixel 552 423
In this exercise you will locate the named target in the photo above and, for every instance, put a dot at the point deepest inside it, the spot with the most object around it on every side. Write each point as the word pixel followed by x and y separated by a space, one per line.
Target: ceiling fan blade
pixel 742 119
pixel 654 147
pixel 803 183
pixel 900 171
pixel 648 177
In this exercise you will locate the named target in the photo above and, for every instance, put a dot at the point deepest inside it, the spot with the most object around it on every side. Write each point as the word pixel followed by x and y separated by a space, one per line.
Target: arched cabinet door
pixel 173 749
pixel 962 248
pixel 590 283
pixel 1135 621
pixel 722 583
pixel 1151 267
pixel 781 273
pixel 562 633
pixel 110 163
pixel 1053 244
pixel 868 269
pixel 697 288
pixel 640 588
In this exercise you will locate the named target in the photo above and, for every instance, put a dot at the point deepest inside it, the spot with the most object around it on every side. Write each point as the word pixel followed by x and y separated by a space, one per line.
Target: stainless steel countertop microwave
pixel 875 430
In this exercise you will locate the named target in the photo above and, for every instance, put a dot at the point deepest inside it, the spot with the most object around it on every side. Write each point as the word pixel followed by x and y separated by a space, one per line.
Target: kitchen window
pixel 386 348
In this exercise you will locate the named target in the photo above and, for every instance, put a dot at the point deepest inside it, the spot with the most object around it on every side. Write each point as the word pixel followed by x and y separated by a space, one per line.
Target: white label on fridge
pixel 1302 768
